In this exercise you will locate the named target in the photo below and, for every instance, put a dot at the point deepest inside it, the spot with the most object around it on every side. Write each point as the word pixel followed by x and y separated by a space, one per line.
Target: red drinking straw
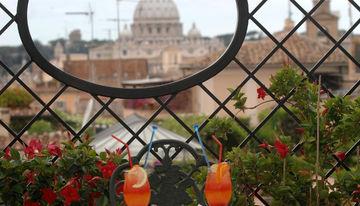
pixel 221 147
pixel 127 148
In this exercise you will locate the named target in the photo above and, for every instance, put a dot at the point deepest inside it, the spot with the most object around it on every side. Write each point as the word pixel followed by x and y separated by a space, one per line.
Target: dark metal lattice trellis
pixel 96 92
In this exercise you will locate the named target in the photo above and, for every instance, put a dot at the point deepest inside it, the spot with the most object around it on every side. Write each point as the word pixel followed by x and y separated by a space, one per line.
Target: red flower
pixel 92 180
pixel 107 169
pixel 264 146
pixel 88 177
pixel 281 148
pixel 74 182
pixel 93 196
pixel 30 177
pixel 261 93
pixel 118 151
pixel 120 188
pixel 29 152
pixel 70 195
pixel 7 153
pixel 340 155
pixel 54 150
pixel 31 203
pixel 33 148
pixel 36 145
pixel 356 192
pixel 48 195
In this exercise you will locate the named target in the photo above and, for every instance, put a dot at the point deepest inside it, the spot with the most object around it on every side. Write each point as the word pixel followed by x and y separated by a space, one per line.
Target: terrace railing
pixel 106 96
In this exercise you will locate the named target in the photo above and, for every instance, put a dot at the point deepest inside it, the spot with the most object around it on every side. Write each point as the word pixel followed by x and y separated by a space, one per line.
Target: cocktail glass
pixel 218 185
pixel 136 186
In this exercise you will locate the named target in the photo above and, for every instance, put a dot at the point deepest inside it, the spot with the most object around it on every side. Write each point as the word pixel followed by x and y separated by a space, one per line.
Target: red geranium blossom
pixel 7 153
pixel 30 177
pixel 340 155
pixel 31 203
pixel 261 93
pixel 70 194
pixel 281 148
pixel 34 147
pixel 264 146
pixel 54 150
pixel 93 196
pixel 118 151
pixel 91 180
pixel 74 182
pixel 48 195
pixel 107 169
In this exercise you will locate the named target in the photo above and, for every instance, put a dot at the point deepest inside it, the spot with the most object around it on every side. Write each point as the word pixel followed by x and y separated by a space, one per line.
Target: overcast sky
pixel 48 21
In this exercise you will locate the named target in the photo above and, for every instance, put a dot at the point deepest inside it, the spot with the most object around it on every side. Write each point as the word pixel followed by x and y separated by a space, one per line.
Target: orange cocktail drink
pixel 136 187
pixel 218 186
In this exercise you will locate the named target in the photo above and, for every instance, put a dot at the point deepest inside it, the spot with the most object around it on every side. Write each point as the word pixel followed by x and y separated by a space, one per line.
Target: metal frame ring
pixel 133 93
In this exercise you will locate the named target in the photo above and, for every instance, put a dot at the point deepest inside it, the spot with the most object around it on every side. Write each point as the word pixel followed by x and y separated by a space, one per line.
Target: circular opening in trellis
pixel 118 44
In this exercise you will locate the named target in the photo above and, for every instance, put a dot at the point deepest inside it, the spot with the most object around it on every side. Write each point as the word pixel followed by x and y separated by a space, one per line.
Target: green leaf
pixel 14 154
pixel 103 156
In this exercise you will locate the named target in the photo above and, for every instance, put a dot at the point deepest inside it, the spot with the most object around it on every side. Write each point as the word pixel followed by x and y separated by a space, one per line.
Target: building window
pixel 159 30
pixel 124 52
pixel 150 30
pixel 357 56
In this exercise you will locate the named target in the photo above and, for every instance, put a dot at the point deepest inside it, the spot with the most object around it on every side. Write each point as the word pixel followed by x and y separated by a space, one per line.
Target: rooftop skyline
pixel 215 17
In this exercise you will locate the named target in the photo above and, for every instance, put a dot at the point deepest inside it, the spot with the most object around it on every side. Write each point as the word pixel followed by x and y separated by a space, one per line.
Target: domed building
pixel 156 34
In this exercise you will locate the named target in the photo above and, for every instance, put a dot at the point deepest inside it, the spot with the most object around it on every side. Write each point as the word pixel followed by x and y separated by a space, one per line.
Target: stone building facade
pixel 156 34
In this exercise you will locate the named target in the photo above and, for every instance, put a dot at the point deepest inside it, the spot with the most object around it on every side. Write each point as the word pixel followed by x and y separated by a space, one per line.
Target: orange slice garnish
pixel 141 175
pixel 219 170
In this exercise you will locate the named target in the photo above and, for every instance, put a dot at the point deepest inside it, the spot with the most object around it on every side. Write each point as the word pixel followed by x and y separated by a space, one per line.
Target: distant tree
pixel 41 127
pixel 15 98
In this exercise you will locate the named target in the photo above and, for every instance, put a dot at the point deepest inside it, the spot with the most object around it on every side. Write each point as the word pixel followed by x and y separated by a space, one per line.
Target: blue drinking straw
pixel 154 129
pixel 196 128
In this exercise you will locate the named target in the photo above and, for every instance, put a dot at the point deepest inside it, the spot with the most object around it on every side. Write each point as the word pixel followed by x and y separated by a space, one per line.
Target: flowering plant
pixel 292 169
pixel 52 175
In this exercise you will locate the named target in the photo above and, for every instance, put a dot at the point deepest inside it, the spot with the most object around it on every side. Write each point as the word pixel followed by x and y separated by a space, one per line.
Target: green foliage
pixel 75 121
pixel 279 124
pixel 15 98
pixel 239 99
pixel 172 125
pixel 284 81
pixel 339 128
pixel 24 177
pixel 41 127
pixel 226 129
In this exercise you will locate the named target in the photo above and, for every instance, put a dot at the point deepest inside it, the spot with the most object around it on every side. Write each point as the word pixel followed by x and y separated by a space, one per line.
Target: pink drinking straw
pixel 127 148
pixel 220 145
